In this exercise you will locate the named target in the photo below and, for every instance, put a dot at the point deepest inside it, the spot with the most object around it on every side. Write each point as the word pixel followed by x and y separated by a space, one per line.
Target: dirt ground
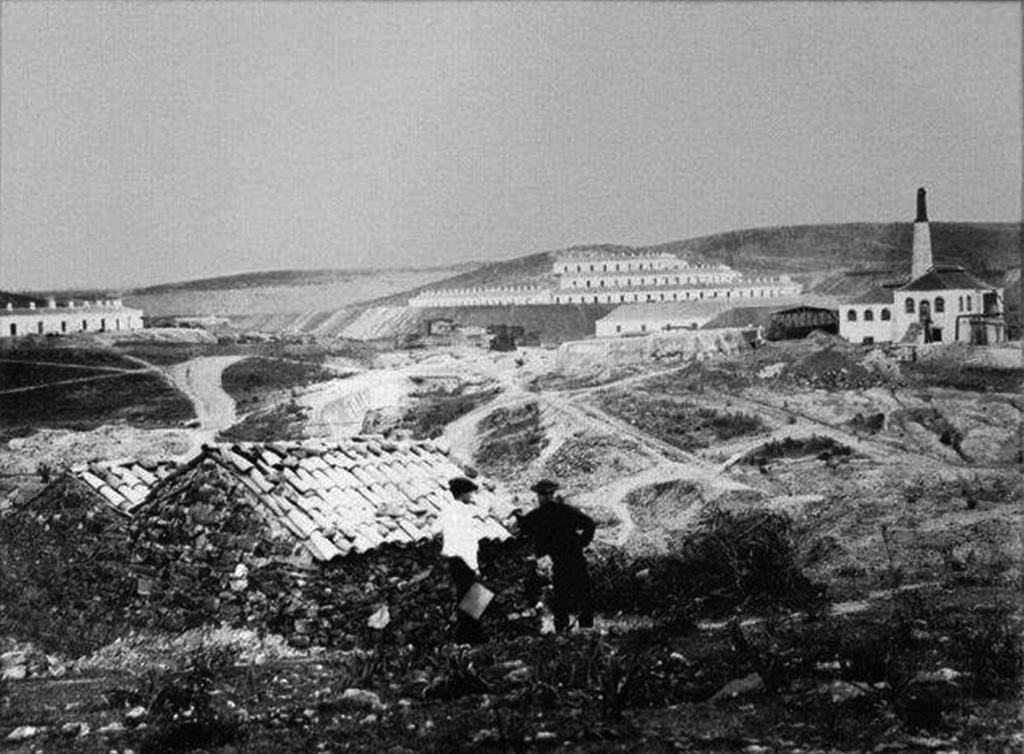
pixel 888 475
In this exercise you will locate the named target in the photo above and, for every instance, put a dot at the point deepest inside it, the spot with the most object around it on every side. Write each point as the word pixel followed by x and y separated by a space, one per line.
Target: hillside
pixel 836 259
pixel 19 301
pixel 285 278
pixel 282 292
pixel 847 259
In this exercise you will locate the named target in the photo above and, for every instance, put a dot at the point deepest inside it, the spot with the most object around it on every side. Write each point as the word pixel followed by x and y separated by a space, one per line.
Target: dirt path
pixel 91 367
pixel 118 373
pixel 200 380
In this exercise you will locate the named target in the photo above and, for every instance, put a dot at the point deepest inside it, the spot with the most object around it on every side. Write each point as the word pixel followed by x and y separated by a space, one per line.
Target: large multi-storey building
pixel 621 276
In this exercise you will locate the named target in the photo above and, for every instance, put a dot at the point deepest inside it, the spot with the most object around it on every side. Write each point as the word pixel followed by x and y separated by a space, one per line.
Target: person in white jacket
pixel 460 534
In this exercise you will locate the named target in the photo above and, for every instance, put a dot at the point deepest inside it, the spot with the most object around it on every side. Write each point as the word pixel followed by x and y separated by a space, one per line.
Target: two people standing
pixel 558 531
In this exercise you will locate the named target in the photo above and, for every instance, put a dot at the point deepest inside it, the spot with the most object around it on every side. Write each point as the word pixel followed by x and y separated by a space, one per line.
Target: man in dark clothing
pixel 561 532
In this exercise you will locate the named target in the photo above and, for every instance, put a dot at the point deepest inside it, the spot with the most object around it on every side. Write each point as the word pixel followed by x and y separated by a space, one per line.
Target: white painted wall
pixel 954 303
pixel 68 320
pixel 867 325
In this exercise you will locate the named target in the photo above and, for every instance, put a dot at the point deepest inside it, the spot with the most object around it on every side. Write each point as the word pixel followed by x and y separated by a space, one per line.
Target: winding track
pixel 200 380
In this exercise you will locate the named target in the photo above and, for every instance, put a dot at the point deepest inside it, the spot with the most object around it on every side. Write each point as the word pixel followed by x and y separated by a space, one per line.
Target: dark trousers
pixel 571 582
pixel 467 629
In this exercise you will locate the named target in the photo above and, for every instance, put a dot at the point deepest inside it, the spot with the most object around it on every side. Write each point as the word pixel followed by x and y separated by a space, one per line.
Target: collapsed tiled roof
pixel 352 496
pixel 123 484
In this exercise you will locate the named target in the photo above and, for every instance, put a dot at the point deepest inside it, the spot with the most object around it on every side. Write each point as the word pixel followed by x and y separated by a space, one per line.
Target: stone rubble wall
pixel 201 553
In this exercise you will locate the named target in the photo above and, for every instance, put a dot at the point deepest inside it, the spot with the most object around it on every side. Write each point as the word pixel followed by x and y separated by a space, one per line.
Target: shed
pixel 801 321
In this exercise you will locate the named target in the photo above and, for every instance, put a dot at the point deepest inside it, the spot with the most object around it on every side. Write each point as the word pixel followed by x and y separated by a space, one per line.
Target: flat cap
pixel 545 485
pixel 460 484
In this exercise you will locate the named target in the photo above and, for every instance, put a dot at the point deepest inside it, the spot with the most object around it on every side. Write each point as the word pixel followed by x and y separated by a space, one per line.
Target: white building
pixel 633 319
pixel 67 317
pixel 509 295
pixel 949 304
pixel 939 304
pixel 620 276
pixel 868 319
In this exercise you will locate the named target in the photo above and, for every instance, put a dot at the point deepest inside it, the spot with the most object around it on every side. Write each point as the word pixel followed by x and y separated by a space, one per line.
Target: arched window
pixel 869 315
pixel 40 328
pixel 886 315
pixel 968 303
pixel 909 306
pixel 851 316
pixel 940 305
pixel 961 301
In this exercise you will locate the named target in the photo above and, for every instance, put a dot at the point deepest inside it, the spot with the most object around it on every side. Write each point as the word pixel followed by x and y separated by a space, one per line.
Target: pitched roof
pixel 123 484
pixel 351 496
pixel 877 295
pixel 657 311
pixel 945 278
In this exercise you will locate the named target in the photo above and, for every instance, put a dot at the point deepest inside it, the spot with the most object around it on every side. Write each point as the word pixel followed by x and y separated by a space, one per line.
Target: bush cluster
pixel 731 560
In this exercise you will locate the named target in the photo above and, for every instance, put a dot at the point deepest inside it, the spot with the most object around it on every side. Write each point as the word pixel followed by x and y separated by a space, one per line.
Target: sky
pixel 145 142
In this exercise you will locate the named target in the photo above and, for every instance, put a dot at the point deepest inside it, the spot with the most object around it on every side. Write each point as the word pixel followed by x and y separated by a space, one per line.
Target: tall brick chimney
pixel 921 261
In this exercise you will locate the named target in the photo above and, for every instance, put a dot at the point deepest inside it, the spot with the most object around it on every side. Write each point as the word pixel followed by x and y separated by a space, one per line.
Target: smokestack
pixel 922 207
pixel 921 259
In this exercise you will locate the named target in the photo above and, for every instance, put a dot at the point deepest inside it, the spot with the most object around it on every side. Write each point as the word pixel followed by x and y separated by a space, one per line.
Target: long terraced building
pixel 620 276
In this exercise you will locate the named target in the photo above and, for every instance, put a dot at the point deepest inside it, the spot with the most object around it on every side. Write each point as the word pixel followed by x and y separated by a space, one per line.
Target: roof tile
pixel 335 498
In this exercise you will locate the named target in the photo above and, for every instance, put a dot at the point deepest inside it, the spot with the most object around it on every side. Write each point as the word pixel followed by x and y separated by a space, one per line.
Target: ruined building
pixel 307 539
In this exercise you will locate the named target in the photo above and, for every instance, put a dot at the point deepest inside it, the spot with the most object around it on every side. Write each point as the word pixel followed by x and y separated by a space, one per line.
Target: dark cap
pixel 460 485
pixel 544 486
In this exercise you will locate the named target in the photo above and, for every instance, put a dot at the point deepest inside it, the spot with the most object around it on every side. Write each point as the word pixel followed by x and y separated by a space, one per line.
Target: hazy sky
pixel 146 142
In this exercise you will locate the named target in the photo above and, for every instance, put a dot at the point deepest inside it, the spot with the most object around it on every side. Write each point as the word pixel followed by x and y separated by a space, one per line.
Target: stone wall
pixel 201 553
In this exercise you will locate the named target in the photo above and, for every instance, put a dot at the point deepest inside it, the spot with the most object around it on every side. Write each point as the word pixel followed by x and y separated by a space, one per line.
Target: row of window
pixel 964 303
pixel 869 315
pixel 910 307
pixel 604 267
pixel 664 281
pixel 41 329
pixel 650 297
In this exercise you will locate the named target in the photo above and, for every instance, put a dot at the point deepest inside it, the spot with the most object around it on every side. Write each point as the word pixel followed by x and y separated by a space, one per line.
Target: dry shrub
pixel 731 560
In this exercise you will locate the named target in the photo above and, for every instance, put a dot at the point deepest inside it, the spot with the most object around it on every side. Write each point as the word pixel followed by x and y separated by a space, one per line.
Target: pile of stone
pixel 205 556
pixel 326 544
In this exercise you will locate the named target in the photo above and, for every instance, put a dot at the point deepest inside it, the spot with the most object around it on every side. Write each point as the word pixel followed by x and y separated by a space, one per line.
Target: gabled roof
pixel 124 484
pixel 876 295
pixel 945 278
pixel 351 496
pixel 657 311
